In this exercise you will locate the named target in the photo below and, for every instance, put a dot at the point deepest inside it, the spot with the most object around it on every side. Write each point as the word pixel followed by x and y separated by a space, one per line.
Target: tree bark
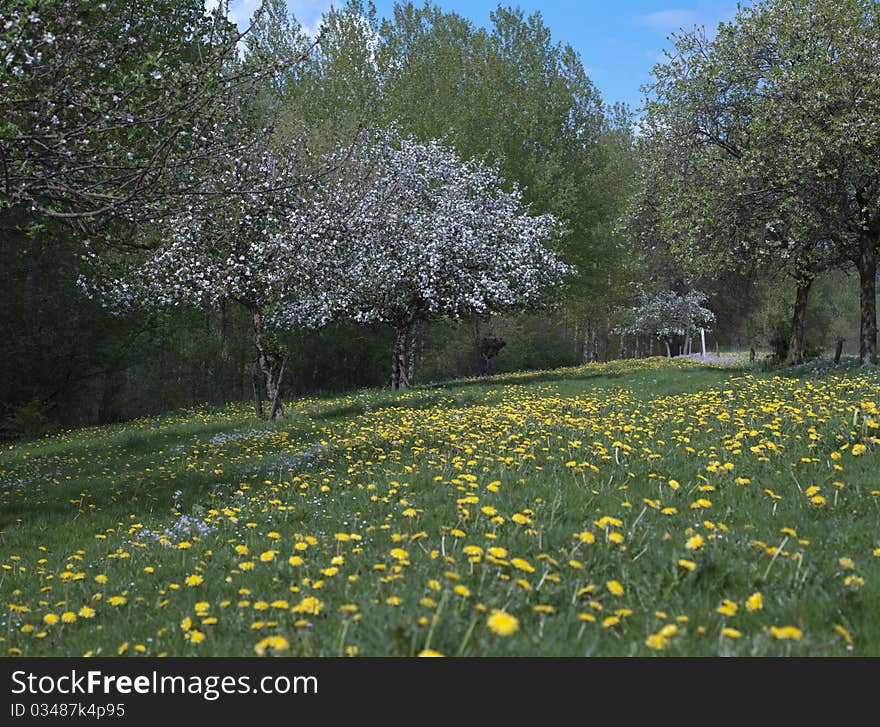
pixel 867 267
pixel 838 351
pixel 586 355
pixel 411 355
pixel 399 369
pixel 668 349
pixel 258 399
pixel 271 363
pixel 796 339
pixel 606 340
pixel 489 348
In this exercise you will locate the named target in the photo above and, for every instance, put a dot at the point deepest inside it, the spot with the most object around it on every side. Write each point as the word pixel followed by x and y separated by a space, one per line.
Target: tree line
pixel 193 211
pixel 761 147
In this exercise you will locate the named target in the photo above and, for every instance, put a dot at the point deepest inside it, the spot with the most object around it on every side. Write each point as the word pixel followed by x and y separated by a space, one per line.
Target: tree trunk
pixel 606 341
pixel 411 355
pixel 258 399
pixel 399 370
pixel 796 340
pixel 489 347
pixel 838 351
pixel 271 363
pixel 867 266
pixel 668 349
pixel 586 354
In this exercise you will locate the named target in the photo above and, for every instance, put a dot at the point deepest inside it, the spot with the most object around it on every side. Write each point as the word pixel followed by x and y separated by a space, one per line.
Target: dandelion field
pixel 632 508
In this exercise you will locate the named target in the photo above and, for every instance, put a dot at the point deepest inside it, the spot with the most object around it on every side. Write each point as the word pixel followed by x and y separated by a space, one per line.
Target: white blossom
pixel 431 235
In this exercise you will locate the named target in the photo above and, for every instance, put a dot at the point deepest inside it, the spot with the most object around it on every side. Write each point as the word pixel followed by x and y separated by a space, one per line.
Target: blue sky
pixel 618 40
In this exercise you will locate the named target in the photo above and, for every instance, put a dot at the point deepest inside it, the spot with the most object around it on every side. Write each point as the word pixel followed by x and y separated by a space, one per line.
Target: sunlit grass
pixel 636 507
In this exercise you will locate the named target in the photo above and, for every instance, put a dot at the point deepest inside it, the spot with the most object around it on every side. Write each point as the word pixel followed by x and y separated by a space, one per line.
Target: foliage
pixel 762 144
pixel 270 246
pixel 112 107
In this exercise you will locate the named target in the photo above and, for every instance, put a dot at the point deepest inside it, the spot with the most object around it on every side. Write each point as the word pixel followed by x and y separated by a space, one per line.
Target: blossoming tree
pixel 435 236
pixel 264 246
pixel 668 314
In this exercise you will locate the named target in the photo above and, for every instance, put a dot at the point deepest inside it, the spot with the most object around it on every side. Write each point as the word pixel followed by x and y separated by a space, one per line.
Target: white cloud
pixel 708 15
pixel 241 11
pixel 309 12
pixel 667 21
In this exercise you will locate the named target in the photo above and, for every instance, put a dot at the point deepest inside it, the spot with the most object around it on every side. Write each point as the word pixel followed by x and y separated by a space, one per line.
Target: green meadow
pixel 632 508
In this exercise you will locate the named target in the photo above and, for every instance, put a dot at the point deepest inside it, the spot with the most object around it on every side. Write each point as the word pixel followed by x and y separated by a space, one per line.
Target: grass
pixel 628 508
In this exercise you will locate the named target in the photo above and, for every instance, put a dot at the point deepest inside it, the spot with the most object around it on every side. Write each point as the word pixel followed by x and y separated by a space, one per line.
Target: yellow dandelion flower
pixel 502 623
pixel 271 645
pixel 522 564
pixel 614 588
pixel 785 633
pixel 843 633
pixel 694 543
pixel 656 642
pixel 727 608
pixel 309 605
